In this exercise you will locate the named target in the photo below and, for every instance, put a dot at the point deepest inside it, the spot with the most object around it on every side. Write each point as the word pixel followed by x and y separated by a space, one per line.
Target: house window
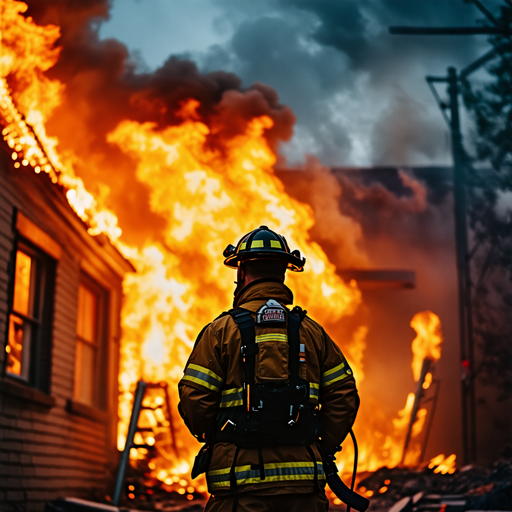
pixel 89 360
pixel 29 335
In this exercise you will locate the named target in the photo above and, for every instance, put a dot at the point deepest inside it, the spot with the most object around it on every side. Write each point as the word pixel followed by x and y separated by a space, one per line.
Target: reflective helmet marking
pixel 263 243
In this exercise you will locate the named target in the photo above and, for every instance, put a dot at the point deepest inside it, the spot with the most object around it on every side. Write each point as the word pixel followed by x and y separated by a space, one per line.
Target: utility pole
pixel 463 275
pixel 460 164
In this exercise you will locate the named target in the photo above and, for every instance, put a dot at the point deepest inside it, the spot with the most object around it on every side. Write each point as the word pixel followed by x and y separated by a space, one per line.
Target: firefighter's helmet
pixel 263 243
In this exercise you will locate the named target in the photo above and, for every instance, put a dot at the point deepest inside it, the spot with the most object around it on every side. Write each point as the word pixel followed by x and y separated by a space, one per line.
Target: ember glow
pixel 443 465
pixel 208 195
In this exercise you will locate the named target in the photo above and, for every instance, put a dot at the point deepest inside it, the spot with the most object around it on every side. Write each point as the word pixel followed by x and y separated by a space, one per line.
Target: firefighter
pixel 266 389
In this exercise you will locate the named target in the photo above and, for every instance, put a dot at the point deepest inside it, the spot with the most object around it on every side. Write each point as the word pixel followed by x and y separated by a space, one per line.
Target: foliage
pixel 490 212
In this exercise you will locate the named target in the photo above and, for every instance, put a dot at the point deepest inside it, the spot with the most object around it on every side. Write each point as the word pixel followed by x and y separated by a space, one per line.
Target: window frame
pixel 43 279
pixel 100 366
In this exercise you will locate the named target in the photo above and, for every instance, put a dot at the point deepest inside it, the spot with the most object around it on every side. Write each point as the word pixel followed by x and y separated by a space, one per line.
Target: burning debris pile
pixel 145 491
pixel 482 487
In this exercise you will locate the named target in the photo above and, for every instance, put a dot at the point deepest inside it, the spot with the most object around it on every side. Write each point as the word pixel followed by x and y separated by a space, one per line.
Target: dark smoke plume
pixel 103 87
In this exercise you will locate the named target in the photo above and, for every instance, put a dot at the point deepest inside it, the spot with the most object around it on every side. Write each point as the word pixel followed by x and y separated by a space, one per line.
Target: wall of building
pixel 48 447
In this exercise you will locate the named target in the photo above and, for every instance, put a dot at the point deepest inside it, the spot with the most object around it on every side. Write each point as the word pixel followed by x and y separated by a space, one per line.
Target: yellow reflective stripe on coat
pixel 278 472
pixel 335 374
pixel 314 390
pixel 272 336
pixel 203 376
pixel 232 397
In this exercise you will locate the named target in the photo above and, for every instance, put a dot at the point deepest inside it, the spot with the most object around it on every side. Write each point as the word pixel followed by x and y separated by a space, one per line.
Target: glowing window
pixel 24 318
pixel 88 356
pixel 30 317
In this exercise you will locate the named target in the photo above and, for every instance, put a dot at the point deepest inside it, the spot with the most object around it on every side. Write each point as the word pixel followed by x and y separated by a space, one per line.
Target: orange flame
pixel 209 201
pixel 443 465
pixel 27 51
pixel 427 343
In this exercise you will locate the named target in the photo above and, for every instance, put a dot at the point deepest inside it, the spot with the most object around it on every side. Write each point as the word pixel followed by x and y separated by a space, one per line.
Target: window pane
pixel 18 346
pixel 87 313
pixel 84 373
pixel 21 302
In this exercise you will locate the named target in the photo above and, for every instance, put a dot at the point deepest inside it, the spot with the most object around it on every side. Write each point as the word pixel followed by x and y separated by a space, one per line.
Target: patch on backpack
pixel 271 312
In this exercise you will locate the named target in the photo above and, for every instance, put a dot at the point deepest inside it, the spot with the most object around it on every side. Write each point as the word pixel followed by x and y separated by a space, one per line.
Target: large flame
pixel 209 200
pixel 382 441
pixel 26 52
pixel 209 195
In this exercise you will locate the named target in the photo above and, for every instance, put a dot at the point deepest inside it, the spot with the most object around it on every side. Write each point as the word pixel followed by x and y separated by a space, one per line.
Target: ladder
pixel 161 423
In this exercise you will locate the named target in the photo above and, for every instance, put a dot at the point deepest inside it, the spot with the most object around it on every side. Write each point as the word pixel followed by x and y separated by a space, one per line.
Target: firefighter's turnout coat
pixel 214 378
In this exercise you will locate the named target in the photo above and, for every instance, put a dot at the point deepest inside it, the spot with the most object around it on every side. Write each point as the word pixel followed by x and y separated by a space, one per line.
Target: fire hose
pixel 338 487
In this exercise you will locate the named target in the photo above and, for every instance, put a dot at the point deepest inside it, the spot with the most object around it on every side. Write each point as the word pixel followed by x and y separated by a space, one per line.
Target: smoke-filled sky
pixel 358 93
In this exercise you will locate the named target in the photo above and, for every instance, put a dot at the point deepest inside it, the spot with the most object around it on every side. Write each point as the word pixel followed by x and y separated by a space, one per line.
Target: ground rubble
pixel 482 487
pixel 474 487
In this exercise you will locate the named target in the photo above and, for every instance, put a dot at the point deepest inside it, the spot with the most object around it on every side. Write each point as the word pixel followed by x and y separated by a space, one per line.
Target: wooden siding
pixel 46 451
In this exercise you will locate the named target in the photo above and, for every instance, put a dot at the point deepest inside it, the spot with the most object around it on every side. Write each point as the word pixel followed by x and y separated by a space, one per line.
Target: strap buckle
pixel 257 409
pixel 249 350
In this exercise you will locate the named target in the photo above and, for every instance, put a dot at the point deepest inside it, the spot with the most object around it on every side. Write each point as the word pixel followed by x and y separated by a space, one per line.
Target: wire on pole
pixel 442 105
pixel 450 31
pixel 487 13
pixel 479 62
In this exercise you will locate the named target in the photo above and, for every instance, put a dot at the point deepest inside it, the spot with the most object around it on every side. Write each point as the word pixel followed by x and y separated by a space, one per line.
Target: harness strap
pixel 249 349
pixel 245 322
pixel 294 346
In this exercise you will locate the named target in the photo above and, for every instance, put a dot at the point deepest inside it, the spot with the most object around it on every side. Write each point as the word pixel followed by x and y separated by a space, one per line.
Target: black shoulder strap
pixel 245 322
pixel 294 320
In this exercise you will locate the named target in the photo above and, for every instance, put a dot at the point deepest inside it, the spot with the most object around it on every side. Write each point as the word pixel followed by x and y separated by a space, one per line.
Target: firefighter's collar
pixel 264 289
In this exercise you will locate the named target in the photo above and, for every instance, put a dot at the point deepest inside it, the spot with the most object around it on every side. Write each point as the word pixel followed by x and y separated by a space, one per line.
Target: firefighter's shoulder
pixel 325 346
pixel 223 326
pixel 313 330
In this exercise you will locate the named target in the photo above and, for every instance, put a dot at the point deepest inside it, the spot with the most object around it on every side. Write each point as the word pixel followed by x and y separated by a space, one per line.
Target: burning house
pixel 60 303
pixel 184 163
